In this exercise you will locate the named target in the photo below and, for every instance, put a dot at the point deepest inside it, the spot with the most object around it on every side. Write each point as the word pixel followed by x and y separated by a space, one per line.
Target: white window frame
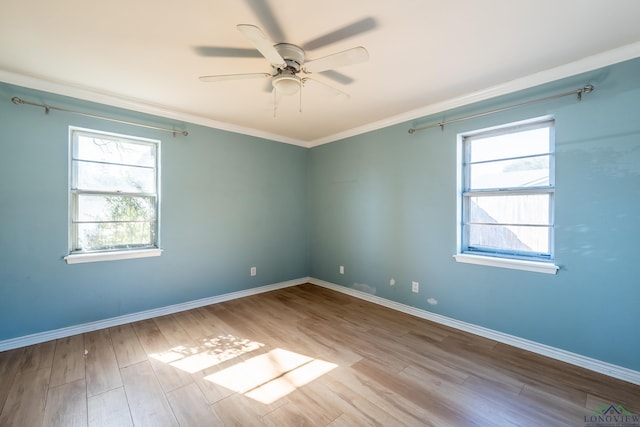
pixel 76 256
pixel 543 263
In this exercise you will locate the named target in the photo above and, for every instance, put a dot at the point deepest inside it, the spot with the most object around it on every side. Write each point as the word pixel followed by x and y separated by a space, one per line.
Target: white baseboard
pixel 595 365
pixel 142 315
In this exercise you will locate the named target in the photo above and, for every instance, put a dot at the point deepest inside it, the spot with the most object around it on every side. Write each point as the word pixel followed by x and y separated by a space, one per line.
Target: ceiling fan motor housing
pixel 292 55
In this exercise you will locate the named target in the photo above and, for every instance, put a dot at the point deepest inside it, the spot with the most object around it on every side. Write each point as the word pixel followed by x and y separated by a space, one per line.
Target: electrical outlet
pixel 415 287
pixel 342 269
pixel 254 271
pixel 392 282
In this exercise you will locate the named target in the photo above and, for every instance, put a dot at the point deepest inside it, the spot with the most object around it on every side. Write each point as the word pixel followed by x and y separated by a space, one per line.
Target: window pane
pixel 115 208
pixel 507 210
pixel 509 238
pixel 105 177
pixel 510 209
pixel 512 144
pixel 113 182
pixel 100 236
pixel 528 172
pixel 114 151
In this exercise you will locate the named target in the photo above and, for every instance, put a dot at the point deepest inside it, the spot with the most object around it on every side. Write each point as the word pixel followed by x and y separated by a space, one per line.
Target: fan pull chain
pixel 275 105
pixel 300 101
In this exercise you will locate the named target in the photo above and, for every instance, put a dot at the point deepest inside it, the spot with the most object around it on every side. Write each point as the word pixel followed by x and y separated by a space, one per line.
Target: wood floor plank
pixel 316 403
pixel 173 331
pixel 68 361
pixel 66 405
pixel 370 410
pixel 102 372
pixel 443 413
pixel 37 356
pixel 240 411
pixel 288 415
pixel 26 401
pixel 347 384
pixel 462 403
pixel 338 354
pixel 109 409
pixel 359 344
pixel 147 401
pixel 9 362
pixel 549 406
pixel 161 355
pixel 213 392
pixel 303 355
pixel 126 345
pixel 244 328
pixel 216 314
pixel 191 408
pixel 197 324
pixel 151 337
pixel 346 420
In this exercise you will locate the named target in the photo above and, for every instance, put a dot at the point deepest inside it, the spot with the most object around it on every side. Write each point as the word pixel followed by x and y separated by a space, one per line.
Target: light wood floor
pixel 301 356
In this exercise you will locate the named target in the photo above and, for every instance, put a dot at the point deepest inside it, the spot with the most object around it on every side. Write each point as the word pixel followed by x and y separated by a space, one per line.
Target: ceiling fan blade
pixel 228 52
pixel 223 77
pixel 343 33
pixel 337 77
pixel 340 59
pixel 262 43
pixel 326 88
pixel 263 12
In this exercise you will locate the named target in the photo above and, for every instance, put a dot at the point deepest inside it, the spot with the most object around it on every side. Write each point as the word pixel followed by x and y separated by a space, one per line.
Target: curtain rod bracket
pixel 586 89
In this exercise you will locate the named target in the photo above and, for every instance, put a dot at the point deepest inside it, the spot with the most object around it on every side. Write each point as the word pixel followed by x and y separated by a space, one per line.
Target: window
pixel 507 195
pixel 114 196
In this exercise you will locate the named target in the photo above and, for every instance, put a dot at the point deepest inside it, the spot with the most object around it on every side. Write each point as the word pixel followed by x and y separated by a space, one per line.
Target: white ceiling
pixel 424 55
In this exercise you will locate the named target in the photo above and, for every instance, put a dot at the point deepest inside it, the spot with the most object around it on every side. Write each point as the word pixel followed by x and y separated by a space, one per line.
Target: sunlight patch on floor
pixel 271 376
pixel 210 352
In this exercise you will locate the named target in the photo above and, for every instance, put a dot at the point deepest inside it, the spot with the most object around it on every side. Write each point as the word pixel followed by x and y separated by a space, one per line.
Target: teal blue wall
pixel 383 204
pixel 229 202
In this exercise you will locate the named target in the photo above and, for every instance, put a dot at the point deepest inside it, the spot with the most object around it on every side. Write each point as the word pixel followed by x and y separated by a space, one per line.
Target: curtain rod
pixel 578 92
pixel 47 108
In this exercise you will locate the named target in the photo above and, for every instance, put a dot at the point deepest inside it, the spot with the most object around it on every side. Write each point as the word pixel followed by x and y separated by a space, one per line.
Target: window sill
pixel 111 256
pixel 514 264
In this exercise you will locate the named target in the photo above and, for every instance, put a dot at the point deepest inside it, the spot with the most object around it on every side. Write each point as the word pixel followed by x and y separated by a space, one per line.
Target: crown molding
pixel 92 95
pixel 589 63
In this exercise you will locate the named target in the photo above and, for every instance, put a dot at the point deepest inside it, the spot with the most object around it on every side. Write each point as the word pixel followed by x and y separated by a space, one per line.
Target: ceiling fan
pixel 289 65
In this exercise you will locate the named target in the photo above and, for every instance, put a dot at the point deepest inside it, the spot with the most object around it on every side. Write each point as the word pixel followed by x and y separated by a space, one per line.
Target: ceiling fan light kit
pixel 286 83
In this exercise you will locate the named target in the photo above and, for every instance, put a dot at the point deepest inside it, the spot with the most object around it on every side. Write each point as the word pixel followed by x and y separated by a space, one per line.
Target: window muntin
pixel 114 195
pixel 508 190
